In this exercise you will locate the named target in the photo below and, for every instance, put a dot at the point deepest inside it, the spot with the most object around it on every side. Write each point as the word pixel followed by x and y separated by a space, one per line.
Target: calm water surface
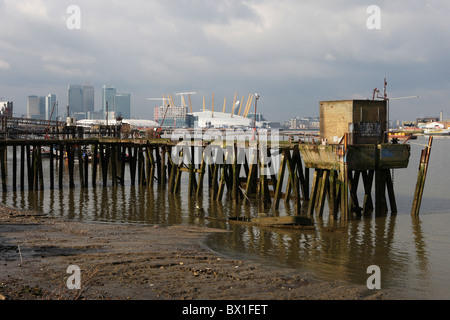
pixel 413 254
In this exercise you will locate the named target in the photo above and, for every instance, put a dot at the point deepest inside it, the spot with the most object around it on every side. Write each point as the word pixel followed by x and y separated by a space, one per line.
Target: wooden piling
pixel 201 176
pixel 279 186
pixel 70 162
pixel 3 167
pixel 95 156
pixel 52 173
pixel 14 167
pixel 61 166
pixel 314 190
pixel 338 185
pixel 132 164
pixel 80 165
pixel 421 177
pixel 22 168
pixel 40 169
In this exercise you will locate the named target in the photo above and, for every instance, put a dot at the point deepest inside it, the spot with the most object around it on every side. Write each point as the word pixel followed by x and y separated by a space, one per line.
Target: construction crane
pixel 385 97
pixel 183 103
pixel 50 119
pixel 163 99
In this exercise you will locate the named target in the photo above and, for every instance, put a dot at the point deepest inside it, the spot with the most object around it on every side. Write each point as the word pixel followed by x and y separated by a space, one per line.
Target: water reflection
pixel 412 253
pixel 339 253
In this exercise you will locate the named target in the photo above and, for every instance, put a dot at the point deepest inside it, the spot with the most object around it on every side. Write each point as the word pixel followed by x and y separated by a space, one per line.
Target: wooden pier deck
pixel 247 171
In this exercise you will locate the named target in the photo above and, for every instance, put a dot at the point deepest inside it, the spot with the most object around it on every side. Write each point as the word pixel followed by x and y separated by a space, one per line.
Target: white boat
pixel 437 132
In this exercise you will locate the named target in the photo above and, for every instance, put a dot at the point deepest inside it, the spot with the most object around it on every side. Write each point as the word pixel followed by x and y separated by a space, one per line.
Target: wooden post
pixel 331 194
pixel 152 166
pixel 353 186
pixel 29 168
pixel 252 174
pixel 40 169
pixel 163 166
pixel 343 186
pixel 158 165
pixel 52 174
pixel 314 190
pixel 14 167
pixel 192 181
pixel 215 186
pixel 86 168
pixel 3 167
pixel 143 178
pixel 139 166
pixel 304 177
pixel 61 166
pixel 22 168
pixel 35 167
pixel 104 160
pixel 323 190
pixel 235 179
pixel 148 179
pixel 380 186
pixel 70 159
pixel 368 182
pixel 80 165
pixel 421 176
pixel 263 180
pixel 176 188
pixel 279 186
pixel 132 164
pixel 122 164
pixel 172 175
pixel 390 190
pixel 222 181
pixel 201 176
pixel 94 166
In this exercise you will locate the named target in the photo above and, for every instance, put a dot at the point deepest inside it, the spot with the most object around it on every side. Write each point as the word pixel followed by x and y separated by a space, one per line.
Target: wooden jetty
pixel 352 147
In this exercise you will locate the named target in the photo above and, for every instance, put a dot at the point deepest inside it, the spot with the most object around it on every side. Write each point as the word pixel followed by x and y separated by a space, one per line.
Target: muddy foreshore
pixel 139 262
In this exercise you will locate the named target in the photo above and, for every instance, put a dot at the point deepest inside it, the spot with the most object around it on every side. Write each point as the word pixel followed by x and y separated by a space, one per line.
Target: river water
pixel 413 254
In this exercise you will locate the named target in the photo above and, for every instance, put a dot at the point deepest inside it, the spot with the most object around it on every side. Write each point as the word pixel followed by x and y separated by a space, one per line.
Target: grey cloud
pixel 293 53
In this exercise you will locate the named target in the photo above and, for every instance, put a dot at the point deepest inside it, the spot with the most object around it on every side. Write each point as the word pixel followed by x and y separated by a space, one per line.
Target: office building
pixel 175 117
pixel 122 105
pixel 51 108
pixel 36 107
pixel 87 95
pixel 6 108
pixel 80 99
pixel 74 99
pixel 108 97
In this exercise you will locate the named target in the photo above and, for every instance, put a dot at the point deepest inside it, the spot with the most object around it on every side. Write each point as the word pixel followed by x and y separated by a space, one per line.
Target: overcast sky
pixel 292 53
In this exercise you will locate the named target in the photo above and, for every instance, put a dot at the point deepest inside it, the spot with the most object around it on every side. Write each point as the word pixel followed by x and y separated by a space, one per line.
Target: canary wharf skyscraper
pixel 87 95
pixel 80 98
pixel 123 105
pixel 109 96
pixel 74 98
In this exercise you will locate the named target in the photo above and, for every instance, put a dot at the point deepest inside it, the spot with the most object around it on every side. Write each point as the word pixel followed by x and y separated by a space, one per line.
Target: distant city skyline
pixel 81 98
pixel 118 103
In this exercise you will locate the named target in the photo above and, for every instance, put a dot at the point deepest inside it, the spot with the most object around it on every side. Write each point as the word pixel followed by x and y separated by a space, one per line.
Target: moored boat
pixel 437 132
pixel 401 135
